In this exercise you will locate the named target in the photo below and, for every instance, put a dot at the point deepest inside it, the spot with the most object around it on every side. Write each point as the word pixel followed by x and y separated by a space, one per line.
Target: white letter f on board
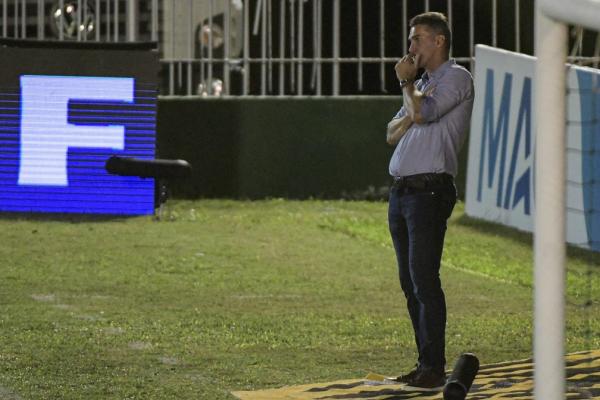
pixel 46 134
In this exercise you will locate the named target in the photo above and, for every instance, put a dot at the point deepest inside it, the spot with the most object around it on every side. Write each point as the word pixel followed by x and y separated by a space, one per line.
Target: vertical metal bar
pixel 281 47
pixel 78 27
pixel 313 71
pixel 171 78
pixel 292 45
pixel 471 31
pixel 382 73
pixel 313 66
pixel 16 35
pixel 257 14
pixel 40 19
pixel 577 47
pixel 116 20
pixel 180 73
pixel 336 48
pixel 190 46
pixel 154 34
pixel 319 47
pixel 495 23
pixel 359 44
pixel 517 26
pixel 132 20
pixel 201 88
pixel 226 49
pixel 203 54
pixel 84 22
pixel 4 18
pixel 172 55
pixel 24 19
pixel 449 7
pixel 17 21
pixel 263 49
pixel 61 19
pixel 404 27
pixel 270 44
pixel 108 24
pixel 211 8
pixel 426 5
pixel 246 48
pixel 300 46
pixel 97 23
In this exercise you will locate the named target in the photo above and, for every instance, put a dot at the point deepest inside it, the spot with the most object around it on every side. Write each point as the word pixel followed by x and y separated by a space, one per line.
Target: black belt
pixel 422 181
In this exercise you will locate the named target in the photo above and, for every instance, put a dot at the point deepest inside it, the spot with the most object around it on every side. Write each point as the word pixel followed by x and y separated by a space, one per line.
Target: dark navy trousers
pixel 417 221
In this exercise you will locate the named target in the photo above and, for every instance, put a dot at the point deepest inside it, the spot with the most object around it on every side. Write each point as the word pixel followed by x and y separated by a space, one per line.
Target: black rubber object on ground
pixel 462 377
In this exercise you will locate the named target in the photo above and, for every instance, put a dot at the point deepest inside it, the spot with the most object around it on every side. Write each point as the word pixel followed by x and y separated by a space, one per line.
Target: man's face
pixel 423 42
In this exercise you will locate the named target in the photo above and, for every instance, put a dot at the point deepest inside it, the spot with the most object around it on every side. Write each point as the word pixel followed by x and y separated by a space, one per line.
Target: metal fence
pixel 280 47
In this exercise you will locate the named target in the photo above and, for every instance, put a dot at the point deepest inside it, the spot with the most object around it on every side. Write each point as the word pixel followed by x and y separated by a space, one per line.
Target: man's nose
pixel 412 49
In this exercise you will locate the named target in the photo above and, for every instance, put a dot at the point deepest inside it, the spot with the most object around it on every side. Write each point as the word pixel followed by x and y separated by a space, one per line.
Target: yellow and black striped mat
pixel 509 380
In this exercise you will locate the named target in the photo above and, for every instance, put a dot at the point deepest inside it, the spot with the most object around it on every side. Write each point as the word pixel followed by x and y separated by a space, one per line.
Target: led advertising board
pixel 65 108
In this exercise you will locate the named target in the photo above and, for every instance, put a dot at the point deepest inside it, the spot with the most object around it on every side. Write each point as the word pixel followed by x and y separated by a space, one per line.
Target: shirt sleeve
pixel 452 90
pixel 400 113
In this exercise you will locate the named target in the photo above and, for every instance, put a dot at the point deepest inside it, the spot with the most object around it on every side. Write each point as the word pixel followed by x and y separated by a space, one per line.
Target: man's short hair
pixel 437 22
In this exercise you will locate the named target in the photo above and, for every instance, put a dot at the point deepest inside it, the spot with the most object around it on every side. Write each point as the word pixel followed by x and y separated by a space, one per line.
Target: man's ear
pixel 440 40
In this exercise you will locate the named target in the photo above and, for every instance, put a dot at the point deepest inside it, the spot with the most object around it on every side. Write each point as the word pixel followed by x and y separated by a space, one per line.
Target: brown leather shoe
pixel 407 378
pixel 427 381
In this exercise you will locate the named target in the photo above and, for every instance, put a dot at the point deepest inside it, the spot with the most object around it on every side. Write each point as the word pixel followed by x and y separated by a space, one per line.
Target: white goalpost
pixel 552 17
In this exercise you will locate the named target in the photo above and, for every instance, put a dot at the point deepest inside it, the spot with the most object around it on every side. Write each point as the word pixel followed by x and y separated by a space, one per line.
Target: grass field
pixel 242 295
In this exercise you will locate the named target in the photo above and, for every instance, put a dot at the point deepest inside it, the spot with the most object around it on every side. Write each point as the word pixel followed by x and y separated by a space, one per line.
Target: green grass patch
pixel 232 295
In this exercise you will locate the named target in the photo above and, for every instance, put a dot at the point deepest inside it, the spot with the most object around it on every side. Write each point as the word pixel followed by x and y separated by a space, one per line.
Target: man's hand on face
pixel 406 68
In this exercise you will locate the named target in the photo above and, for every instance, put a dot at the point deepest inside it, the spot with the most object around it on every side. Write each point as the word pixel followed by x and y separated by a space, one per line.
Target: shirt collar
pixel 437 74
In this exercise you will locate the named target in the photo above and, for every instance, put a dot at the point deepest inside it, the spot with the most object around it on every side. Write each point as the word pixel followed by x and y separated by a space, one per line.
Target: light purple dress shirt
pixel 434 145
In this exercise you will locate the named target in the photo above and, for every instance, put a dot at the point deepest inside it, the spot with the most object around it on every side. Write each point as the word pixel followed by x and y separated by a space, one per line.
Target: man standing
pixel 428 132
